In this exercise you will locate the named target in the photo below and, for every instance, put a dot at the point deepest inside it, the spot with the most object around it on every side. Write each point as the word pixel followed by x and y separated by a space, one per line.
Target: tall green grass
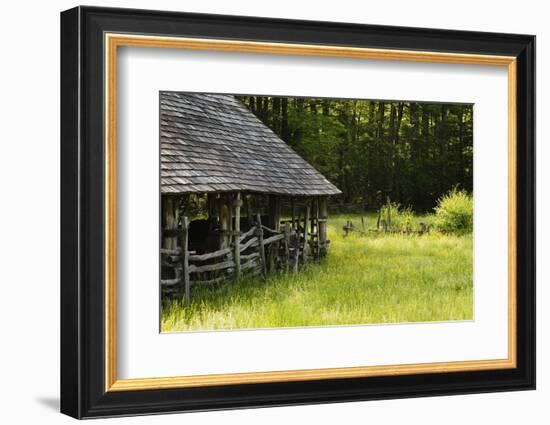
pixel 380 278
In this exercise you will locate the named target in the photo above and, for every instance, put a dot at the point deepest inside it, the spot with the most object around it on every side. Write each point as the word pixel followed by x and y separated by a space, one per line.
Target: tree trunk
pixel 276 118
pixel 380 128
pixel 265 109
pixel 285 130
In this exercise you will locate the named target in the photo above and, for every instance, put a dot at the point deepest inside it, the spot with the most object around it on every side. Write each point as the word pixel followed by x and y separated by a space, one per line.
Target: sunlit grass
pixel 379 278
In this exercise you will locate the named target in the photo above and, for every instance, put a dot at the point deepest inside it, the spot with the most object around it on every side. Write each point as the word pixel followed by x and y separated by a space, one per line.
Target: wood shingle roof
pixel 213 143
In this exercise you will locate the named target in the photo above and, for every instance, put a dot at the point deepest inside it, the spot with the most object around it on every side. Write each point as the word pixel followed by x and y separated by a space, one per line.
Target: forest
pixel 411 152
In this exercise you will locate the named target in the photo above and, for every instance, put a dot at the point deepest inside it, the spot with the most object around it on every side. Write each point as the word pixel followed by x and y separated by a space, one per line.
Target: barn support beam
pixel 322 225
pixel 236 235
pixel 184 240
pixel 261 249
pixel 275 224
pixel 296 247
pixel 316 230
pixel 293 213
pixel 305 251
pixel 225 221
pixel 287 246
pixel 249 214
pixel 170 213
pixel 212 204
pixel 274 212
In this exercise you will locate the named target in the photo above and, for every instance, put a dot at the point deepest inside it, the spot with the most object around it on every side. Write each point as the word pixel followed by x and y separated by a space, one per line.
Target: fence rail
pixel 254 252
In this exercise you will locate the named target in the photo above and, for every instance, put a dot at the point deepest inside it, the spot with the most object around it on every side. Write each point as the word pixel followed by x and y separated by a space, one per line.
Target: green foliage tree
pixel 412 152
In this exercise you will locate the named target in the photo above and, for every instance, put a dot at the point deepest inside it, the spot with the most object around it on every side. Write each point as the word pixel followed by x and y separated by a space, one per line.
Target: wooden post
pixel 317 240
pixel 184 241
pixel 274 212
pixel 423 228
pixel 236 236
pixel 275 224
pixel 287 242
pixel 293 213
pixel 305 250
pixel 225 219
pixel 229 201
pixel 170 213
pixel 260 234
pixel 296 249
pixel 311 223
pixel 249 212
pixel 212 207
pixel 322 225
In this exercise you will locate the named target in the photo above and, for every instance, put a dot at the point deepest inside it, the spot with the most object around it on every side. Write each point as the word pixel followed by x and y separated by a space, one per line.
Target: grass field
pixel 374 279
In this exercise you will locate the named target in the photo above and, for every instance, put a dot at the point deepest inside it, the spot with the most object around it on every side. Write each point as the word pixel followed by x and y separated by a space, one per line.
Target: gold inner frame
pixel 113 41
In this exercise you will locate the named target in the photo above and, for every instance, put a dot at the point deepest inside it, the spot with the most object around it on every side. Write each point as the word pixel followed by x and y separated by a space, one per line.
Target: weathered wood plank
pixel 260 235
pixel 249 244
pixel 237 234
pixel 270 230
pixel 211 267
pixel 247 234
pixel 293 213
pixel 166 251
pixel 286 245
pixel 273 238
pixel 305 250
pixel 184 238
pixel 249 215
pixel 254 271
pixel 170 212
pixel 249 265
pixel 170 282
pixel 250 256
pixel 171 258
pixel 274 212
pixel 225 221
pixel 315 231
pixel 322 226
pixel 274 224
pixel 210 255
pixel 169 263
pixel 209 281
pixel 296 248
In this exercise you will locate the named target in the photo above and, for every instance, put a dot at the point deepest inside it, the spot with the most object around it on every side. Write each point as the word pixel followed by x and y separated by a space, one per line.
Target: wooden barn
pixel 256 206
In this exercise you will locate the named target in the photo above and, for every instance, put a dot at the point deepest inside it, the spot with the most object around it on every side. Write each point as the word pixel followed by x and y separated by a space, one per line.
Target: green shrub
pixel 455 212
pixel 401 218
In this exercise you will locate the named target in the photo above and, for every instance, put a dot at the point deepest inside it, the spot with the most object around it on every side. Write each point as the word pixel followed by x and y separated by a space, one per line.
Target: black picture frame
pixel 82 212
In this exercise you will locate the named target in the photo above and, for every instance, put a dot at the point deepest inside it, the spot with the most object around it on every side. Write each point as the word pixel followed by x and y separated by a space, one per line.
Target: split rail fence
pixel 257 252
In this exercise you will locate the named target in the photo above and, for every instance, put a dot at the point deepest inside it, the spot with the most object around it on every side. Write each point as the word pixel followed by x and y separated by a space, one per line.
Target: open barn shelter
pixel 236 199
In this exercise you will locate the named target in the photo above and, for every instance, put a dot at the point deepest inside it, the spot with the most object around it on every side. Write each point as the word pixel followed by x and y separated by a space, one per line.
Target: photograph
pixel 275 210
pixel 280 212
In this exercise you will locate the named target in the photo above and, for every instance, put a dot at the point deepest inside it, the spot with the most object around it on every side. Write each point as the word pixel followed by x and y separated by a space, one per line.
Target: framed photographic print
pixel 261 212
